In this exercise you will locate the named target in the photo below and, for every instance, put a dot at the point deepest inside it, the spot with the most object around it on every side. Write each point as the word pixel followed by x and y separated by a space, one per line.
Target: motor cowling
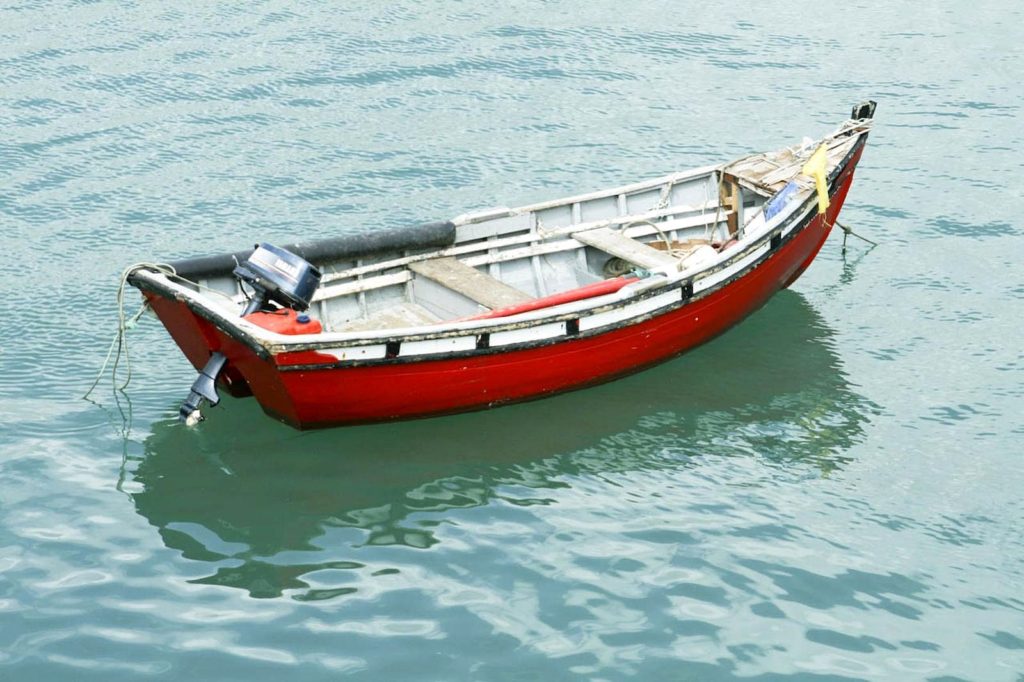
pixel 280 276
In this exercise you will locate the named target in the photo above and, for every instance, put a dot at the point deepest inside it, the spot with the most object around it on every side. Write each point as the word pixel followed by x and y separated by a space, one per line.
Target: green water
pixel 832 490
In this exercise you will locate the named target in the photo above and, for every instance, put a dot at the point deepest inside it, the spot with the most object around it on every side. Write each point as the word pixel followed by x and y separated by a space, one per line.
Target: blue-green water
pixel 830 491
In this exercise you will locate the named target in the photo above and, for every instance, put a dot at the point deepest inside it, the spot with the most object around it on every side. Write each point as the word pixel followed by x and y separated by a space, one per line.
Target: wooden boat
pixel 506 304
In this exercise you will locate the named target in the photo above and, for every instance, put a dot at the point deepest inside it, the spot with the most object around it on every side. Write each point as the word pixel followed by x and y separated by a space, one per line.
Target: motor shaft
pixel 204 388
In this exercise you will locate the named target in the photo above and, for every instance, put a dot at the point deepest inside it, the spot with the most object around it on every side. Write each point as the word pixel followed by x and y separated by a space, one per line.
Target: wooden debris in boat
pixel 680 249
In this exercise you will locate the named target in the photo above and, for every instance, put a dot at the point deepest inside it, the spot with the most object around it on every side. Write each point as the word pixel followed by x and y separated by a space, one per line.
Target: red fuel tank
pixel 286 321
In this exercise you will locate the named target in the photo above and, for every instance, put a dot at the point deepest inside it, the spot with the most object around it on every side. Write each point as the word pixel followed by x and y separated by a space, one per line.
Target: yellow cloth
pixel 815 168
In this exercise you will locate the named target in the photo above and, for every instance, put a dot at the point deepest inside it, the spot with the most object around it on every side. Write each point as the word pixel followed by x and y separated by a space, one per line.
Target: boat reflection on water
pixel 241 490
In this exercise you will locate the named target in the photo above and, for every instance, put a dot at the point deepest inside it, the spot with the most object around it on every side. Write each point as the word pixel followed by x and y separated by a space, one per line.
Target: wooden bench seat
pixel 470 282
pixel 630 250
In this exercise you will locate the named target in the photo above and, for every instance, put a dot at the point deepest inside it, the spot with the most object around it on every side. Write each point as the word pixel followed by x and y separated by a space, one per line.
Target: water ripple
pixel 830 490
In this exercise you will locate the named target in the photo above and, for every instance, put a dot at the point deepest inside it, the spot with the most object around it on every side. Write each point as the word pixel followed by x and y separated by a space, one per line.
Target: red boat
pixel 506 304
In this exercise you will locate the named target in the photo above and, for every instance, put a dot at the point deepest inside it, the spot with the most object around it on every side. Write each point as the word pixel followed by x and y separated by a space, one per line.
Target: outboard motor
pixel 275 275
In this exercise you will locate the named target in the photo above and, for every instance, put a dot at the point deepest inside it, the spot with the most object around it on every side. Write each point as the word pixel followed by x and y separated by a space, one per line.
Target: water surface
pixel 829 491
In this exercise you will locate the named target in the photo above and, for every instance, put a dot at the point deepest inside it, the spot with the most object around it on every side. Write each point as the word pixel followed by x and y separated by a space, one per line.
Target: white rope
pixel 712 228
pixel 120 341
pixel 661 233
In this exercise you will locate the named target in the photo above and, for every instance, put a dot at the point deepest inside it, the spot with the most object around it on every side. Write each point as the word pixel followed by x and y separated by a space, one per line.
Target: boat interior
pixel 503 261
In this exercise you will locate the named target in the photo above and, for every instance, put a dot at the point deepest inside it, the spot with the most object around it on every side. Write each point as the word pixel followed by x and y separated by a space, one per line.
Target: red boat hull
pixel 292 388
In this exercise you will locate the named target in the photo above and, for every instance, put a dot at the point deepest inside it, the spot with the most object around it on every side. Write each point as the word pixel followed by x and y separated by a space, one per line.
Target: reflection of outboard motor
pixel 274 275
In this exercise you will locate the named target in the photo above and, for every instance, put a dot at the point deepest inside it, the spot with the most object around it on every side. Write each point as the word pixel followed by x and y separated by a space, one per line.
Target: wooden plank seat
pixel 617 244
pixel 470 282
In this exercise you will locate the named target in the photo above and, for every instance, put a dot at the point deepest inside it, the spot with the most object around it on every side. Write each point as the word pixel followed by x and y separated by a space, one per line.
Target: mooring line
pixel 120 341
pixel 847 231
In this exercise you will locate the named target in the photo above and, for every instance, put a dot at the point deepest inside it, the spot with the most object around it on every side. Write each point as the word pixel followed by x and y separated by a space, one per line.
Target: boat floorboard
pixel 396 317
